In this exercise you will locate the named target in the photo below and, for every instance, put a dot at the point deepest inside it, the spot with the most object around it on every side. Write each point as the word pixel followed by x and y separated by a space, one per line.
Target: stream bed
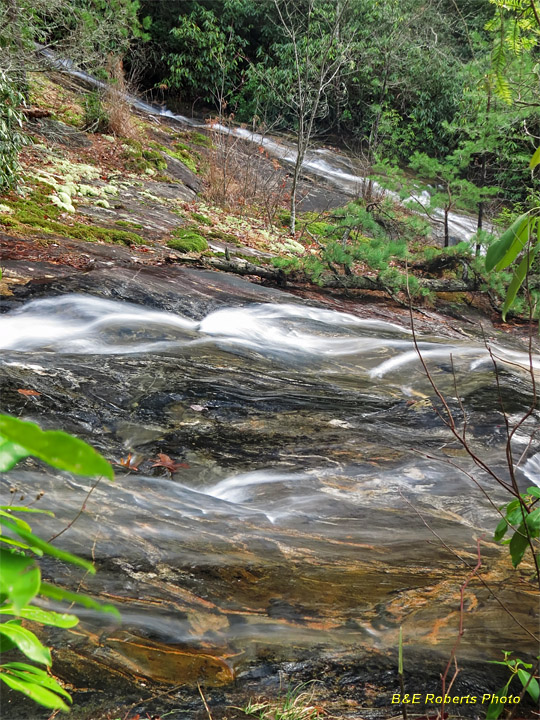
pixel 317 490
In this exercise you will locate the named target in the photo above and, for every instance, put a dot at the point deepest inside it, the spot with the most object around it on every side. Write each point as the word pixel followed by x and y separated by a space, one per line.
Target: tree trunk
pixel 479 227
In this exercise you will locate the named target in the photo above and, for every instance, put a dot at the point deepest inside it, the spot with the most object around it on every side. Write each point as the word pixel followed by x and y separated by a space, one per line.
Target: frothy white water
pixel 80 324
pixel 531 469
pixel 236 489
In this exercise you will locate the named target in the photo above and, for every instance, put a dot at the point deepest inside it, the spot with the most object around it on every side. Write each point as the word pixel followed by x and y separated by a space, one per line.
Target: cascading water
pixel 308 436
pixel 322 162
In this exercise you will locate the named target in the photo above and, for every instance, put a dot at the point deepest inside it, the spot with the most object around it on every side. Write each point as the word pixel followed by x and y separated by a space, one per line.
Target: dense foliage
pixel 11 136
pixel 433 77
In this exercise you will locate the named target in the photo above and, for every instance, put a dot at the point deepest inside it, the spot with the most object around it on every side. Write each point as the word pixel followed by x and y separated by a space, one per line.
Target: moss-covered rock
pixel 187 240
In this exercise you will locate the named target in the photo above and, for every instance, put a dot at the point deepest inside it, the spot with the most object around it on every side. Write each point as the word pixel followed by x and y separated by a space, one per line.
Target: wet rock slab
pixel 303 523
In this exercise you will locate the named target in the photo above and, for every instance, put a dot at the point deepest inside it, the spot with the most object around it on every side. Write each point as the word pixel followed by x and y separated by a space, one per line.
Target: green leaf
pixel 55 447
pixel 57 593
pixel 10 454
pixel 34 691
pixel 16 543
pixel 532 521
pixel 45 617
pixel 517 281
pixel 495 708
pixel 23 508
pixel 500 530
pixel 518 544
pixel 534 491
pixel 37 675
pixel 535 160
pixel 521 242
pixel 506 244
pixel 26 641
pixel 20 578
pixel 21 523
pixel 532 684
pixel 48 549
pixel 516 516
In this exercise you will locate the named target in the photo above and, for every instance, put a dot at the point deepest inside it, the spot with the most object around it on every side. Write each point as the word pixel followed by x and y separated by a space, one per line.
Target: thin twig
pixel 81 510
pixel 204 701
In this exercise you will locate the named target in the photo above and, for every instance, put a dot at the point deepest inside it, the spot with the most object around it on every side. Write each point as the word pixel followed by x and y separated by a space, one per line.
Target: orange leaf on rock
pixel 168 463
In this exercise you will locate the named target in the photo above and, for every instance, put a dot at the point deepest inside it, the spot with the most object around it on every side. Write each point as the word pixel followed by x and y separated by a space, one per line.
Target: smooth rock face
pixel 316 477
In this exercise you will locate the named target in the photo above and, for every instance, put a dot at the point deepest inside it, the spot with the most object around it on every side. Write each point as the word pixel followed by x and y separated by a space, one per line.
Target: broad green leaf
pixel 36 675
pixel 532 684
pixel 55 447
pixel 518 544
pixel 26 641
pixel 497 252
pixel 517 281
pixel 532 521
pixel 6 644
pixel 501 529
pixel 534 491
pixel 520 244
pixel 57 593
pixel 34 691
pixel 45 617
pixel 47 548
pixel 495 709
pixel 10 454
pixel 516 516
pixel 20 578
pixel 535 160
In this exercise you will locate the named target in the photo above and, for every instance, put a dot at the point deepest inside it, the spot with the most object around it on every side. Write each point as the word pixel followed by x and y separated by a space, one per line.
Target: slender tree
pixel 319 42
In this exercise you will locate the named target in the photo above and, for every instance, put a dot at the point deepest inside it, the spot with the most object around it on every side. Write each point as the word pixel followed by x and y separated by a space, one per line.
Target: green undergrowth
pixel 141 160
pixel 187 240
pixel 181 152
pixel 385 243
pixel 35 212
pixel 202 219
pixel 196 138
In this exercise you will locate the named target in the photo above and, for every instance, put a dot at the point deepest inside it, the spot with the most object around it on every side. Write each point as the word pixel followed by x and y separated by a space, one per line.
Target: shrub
pixel 96 117
pixel 11 137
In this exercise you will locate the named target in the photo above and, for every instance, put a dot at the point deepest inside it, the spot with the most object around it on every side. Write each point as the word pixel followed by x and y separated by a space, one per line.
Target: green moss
pixel 139 159
pixel 128 224
pixel 187 240
pixel 198 138
pixel 36 212
pixel 155 159
pixel 201 218
pixel 183 153
pixel 221 235
pixel 284 217
pixel 9 222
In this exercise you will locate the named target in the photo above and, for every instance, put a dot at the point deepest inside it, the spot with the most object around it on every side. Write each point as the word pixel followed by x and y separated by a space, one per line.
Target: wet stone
pixel 297 535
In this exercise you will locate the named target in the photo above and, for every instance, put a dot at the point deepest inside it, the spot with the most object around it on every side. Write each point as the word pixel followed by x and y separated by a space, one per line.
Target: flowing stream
pixel 314 474
pixel 332 166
